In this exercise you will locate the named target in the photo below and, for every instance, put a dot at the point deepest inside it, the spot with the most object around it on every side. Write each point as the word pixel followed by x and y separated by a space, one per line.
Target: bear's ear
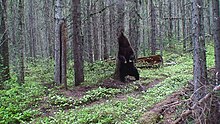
pixel 123 41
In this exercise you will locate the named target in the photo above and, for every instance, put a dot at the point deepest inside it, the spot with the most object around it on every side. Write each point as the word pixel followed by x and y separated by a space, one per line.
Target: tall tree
pixel 183 23
pixel 216 31
pixel 48 32
pixel 134 24
pixel 120 29
pixel 63 38
pixel 20 41
pixel 77 42
pixel 32 30
pixel 112 34
pixel 121 16
pixel 104 32
pixel 89 32
pixel 97 42
pixel 170 28
pixel 153 27
pixel 4 53
pixel 199 56
pixel 58 17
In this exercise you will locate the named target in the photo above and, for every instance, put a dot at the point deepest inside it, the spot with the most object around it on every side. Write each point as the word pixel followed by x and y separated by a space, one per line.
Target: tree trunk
pixel 89 33
pixel 112 34
pixel 77 42
pixel 199 57
pixel 216 33
pixel 4 54
pixel 170 29
pixel 20 47
pixel 104 32
pixel 97 43
pixel 153 28
pixel 58 17
pixel 32 30
pixel 183 23
pixel 64 35
pixel 134 25
pixel 161 27
pixel 120 28
pixel 121 16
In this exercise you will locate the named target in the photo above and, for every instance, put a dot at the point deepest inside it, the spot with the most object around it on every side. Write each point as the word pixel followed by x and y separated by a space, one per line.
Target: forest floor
pixel 163 112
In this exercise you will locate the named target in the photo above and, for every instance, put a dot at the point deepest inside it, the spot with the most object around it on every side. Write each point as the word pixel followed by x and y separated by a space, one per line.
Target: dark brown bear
pixel 126 57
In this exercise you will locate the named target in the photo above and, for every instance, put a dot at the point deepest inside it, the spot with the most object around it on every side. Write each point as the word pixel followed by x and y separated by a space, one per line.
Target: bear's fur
pixel 126 58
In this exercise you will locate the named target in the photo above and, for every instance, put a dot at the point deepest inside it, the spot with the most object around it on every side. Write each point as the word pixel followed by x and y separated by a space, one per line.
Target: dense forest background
pixel 48 47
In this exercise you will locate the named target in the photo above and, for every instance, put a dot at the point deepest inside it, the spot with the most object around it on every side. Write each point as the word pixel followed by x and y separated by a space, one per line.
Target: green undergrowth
pixel 17 101
pixel 130 108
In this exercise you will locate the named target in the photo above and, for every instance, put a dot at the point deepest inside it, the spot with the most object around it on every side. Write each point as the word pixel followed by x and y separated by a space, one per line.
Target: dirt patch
pixel 163 112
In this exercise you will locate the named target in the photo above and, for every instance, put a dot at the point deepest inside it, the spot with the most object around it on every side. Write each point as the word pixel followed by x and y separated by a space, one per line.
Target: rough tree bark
pixel 170 28
pixel 199 57
pixel 77 42
pixel 89 33
pixel 58 17
pixel 20 41
pixel 183 23
pixel 153 27
pixel 97 43
pixel 104 32
pixel 216 33
pixel 4 53
pixel 121 16
pixel 32 30
pixel 134 25
pixel 63 39
pixel 120 28
pixel 112 34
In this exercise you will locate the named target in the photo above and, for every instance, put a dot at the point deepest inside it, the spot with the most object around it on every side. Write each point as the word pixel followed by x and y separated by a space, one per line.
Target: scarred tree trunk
pixel 77 42
pixel 4 54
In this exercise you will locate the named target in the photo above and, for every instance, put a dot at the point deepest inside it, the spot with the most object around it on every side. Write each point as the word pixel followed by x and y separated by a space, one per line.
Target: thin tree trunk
pixel 183 23
pixel 89 33
pixel 64 35
pixel 153 28
pixel 20 47
pixel 104 32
